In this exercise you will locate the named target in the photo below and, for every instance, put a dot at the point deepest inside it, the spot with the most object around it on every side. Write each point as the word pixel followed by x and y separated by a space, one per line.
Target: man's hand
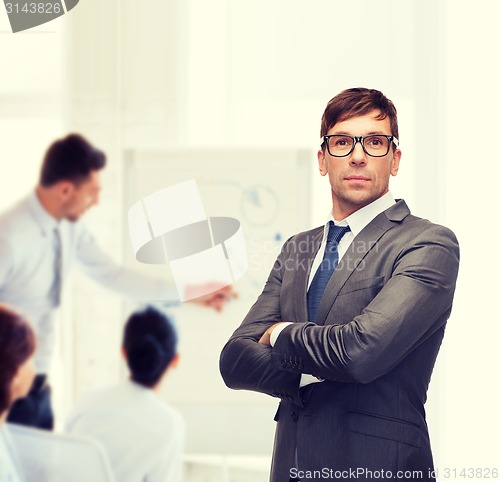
pixel 265 339
pixel 216 299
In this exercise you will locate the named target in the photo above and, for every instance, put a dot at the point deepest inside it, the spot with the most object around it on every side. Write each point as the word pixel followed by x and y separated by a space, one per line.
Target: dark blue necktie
pixel 325 269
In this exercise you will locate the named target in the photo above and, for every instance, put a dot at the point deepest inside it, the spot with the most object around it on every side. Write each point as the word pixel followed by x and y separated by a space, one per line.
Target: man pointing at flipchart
pixel 41 236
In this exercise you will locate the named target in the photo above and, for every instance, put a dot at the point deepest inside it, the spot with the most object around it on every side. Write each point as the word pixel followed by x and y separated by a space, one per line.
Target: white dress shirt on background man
pixel 27 274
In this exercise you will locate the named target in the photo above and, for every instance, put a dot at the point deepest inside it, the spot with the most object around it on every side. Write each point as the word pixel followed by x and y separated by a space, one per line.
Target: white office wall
pixel 471 420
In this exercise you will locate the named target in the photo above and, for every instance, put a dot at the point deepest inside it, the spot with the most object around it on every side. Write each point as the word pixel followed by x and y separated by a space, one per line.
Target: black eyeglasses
pixel 375 145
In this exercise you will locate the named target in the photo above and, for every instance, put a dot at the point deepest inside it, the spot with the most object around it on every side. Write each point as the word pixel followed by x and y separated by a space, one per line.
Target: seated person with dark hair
pixel 142 436
pixel 17 370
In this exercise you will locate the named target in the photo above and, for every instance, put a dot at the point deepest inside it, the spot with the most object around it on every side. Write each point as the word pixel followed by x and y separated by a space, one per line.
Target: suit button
pixel 294 415
pixel 283 363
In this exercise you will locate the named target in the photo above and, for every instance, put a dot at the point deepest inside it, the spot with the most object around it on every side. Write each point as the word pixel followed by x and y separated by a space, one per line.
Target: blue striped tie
pixel 325 269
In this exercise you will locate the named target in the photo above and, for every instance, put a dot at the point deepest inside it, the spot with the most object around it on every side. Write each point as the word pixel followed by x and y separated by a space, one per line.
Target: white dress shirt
pixel 143 436
pixel 27 274
pixel 356 222
pixel 10 468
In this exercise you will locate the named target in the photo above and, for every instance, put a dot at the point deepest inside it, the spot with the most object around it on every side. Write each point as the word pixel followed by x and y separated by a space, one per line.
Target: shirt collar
pixel 138 388
pixel 46 222
pixel 362 217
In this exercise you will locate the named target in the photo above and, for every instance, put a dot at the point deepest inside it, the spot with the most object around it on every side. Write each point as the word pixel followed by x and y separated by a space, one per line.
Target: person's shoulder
pixel 159 427
pixel 166 412
pixel 17 227
pixel 414 232
pixel 16 217
pixel 130 399
pixel 408 225
pixel 300 240
pixel 424 228
pixel 310 233
pixel 95 400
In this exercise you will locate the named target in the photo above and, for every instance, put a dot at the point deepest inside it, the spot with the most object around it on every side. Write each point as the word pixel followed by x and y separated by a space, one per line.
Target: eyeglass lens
pixel 374 145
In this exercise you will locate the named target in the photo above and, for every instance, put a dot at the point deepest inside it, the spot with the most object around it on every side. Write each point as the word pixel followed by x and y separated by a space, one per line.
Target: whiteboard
pixel 268 191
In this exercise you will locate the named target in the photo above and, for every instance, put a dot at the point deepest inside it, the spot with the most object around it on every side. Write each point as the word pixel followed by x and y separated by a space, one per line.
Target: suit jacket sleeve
pixel 415 302
pixel 246 364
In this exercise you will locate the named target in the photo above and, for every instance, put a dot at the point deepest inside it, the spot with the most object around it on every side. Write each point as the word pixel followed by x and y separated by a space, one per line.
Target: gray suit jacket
pixel 378 330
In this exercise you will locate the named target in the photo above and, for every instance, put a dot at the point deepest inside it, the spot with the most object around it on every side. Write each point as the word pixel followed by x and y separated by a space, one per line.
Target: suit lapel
pixel 362 244
pixel 306 253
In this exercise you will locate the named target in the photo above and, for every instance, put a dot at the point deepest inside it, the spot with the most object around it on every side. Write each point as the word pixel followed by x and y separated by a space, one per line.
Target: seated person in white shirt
pixel 141 434
pixel 17 370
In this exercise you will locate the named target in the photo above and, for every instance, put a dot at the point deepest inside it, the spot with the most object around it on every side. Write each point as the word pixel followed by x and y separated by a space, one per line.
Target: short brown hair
pixel 70 159
pixel 357 102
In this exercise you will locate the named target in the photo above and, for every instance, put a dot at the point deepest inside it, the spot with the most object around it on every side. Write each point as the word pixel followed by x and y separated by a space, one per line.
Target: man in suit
pixel 350 321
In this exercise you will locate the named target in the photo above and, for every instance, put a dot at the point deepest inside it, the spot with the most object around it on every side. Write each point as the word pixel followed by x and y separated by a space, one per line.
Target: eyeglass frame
pixel 361 140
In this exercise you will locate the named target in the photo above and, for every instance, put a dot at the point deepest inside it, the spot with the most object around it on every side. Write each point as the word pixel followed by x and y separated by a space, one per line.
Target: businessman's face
pixel 358 179
pixel 82 197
